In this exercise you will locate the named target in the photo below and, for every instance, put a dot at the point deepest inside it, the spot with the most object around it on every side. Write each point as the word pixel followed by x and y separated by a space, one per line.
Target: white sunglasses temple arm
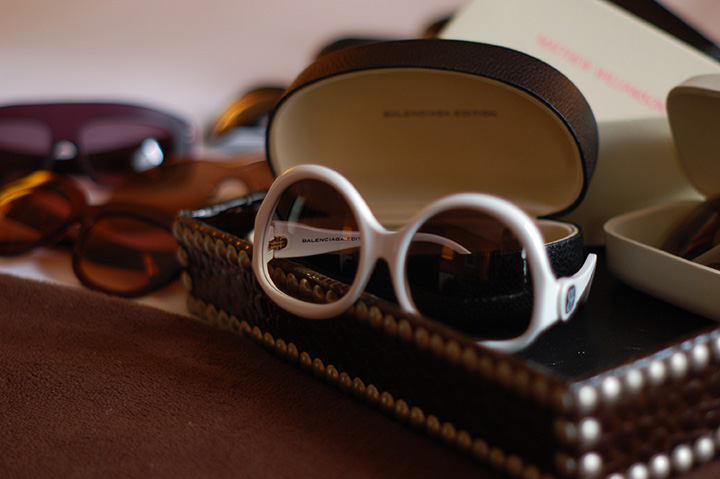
pixel 571 291
pixel 576 289
pixel 293 240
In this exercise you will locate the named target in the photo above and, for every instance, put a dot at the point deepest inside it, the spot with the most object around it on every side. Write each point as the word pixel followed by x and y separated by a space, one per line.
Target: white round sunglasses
pixel 472 256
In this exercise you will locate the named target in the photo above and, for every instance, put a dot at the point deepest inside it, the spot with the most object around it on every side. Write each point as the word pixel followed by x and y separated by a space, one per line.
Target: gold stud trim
pixel 198 240
pixel 220 248
pixel 397 408
pixel 231 254
pixel 182 257
pixel 186 281
pixel 212 244
pixel 177 230
pixel 512 376
pixel 244 260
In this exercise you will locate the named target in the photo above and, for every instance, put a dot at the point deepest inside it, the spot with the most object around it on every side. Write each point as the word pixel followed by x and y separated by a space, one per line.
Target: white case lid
pixel 694 116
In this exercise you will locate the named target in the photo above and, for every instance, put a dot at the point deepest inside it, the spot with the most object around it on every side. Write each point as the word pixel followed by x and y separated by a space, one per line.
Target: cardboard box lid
pixel 410 121
pixel 625 67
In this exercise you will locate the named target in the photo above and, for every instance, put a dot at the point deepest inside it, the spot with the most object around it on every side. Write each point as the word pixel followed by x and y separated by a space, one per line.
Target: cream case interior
pixel 633 240
pixel 407 136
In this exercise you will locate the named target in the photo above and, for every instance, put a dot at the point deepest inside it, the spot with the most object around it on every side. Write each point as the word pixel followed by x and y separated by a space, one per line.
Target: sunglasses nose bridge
pixel 386 247
pixel 383 245
pixel 65 140
pixel 64 150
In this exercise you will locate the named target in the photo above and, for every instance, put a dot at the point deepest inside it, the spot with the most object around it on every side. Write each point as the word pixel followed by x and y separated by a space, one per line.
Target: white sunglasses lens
pixel 468 270
pixel 315 242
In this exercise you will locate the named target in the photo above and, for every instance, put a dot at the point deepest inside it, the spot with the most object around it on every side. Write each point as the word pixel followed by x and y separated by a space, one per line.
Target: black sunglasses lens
pixel 125 255
pixel 117 147
pixel 24 147
pixel 314 229
pixel 467 269
pixel 30 218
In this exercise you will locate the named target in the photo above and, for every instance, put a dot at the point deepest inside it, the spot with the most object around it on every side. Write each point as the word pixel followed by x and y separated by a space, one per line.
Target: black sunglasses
pixel 105 141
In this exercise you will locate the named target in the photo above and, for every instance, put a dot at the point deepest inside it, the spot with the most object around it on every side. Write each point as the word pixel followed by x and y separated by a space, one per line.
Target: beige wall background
pixel 192 56
pixel 195 56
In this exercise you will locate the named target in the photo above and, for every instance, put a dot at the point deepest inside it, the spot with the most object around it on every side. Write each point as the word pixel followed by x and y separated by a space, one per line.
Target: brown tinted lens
pixel 467 269
pixel 126 256
pixel 314 205
pixel 30 218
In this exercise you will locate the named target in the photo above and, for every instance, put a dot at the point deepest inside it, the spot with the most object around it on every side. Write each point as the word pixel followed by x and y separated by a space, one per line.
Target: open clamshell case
pixel 407 122
pixel 635 240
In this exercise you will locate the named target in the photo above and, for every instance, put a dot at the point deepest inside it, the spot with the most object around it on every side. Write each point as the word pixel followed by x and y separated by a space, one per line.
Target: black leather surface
pixel 616 325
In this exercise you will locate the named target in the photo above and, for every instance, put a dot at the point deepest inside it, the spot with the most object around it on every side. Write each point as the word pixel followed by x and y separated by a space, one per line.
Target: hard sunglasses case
pixel 622 385
pixel 634 239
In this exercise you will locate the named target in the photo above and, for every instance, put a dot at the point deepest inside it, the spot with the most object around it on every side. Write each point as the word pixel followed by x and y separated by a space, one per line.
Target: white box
pixel 635 239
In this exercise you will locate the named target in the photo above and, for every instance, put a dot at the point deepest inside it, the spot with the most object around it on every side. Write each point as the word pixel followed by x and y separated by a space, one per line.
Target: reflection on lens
pixel 24 147
pixel 148 155
pixel 125 255
pixel 314 232
pixel 468 270
pixel 117 147
pixel 30 218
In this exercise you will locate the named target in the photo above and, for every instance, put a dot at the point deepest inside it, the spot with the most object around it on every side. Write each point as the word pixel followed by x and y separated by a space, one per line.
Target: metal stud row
pixel 681 459
pixel 691 357
pixel 216 247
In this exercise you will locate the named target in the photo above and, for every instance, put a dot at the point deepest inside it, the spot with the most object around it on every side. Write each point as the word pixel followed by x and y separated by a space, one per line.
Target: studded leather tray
pixel 628 388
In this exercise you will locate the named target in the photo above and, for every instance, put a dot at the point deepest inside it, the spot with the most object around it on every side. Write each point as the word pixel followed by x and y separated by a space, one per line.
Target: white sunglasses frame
pixel 554 299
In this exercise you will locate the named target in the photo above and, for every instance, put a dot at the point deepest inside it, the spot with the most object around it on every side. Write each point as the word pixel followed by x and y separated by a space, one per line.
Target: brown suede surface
pixel 95 386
